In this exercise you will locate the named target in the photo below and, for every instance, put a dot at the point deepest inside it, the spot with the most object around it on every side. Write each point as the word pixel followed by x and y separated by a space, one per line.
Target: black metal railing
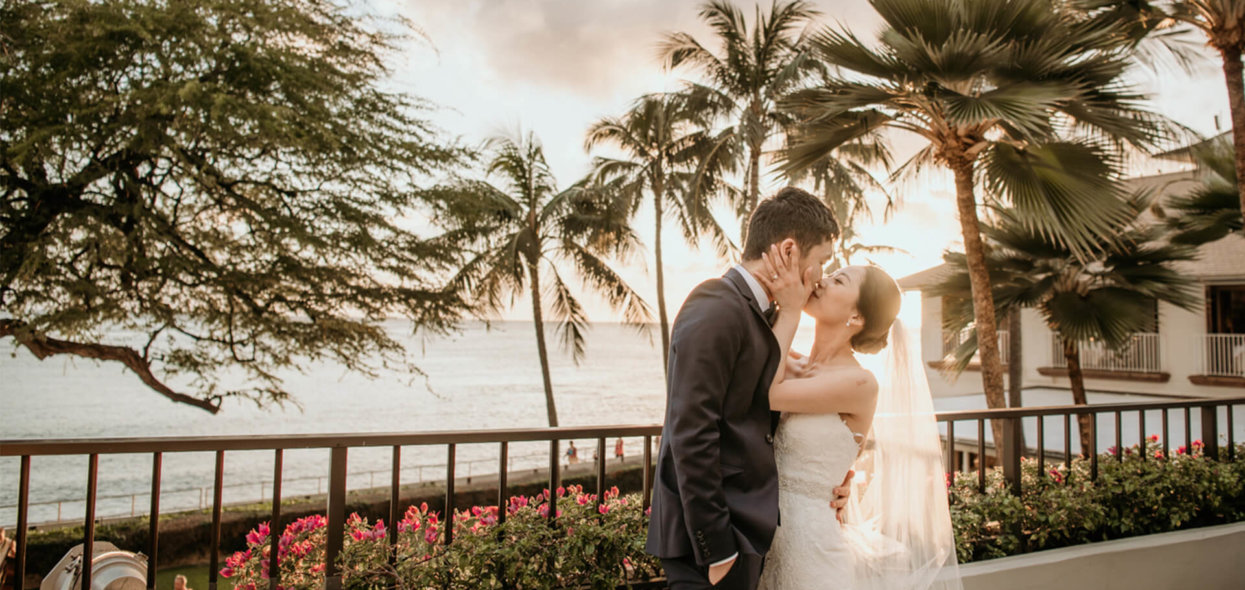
pixel 338 445
pixel 1009 451
pixel 1008 454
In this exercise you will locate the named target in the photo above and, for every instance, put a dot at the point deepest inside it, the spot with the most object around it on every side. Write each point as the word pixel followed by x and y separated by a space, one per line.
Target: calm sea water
pixel 482 378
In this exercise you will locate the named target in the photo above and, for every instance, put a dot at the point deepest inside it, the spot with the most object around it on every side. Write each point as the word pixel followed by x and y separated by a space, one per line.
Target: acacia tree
pixel 1020 95
pixel 223 177
pixel 518 231
pixel 752 69
pixel 667 151
pixel 1106 297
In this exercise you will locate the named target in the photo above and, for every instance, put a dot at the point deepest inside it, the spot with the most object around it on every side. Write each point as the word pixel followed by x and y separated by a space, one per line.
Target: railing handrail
pixel 39 447
pixel 1028 412
pixel 176 444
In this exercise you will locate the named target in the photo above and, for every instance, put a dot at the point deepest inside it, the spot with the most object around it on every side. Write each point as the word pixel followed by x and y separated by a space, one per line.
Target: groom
pixel 715 497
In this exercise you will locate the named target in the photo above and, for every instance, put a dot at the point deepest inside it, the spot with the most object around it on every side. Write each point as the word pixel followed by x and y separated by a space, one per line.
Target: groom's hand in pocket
pixel 840 495
pixel 719 571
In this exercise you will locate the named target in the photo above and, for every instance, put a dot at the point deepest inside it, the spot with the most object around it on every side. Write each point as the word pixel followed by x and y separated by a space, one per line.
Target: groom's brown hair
pixel 792 213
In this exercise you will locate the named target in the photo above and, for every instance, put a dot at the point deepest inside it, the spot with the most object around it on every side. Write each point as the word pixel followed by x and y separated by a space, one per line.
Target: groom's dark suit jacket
pixel 716 490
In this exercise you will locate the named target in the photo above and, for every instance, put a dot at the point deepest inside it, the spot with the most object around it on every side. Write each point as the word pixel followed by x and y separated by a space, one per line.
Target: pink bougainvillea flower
pixel 1154 438
pixel 226 572
pixel 561 491
pixel 1180 450
pixel 603 508
pixel 430 536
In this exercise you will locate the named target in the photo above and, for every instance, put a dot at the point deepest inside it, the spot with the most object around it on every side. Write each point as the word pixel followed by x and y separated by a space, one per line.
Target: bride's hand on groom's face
pixel 787 282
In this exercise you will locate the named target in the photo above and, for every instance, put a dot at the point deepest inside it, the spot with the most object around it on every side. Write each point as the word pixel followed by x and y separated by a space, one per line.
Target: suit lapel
pixel 733 277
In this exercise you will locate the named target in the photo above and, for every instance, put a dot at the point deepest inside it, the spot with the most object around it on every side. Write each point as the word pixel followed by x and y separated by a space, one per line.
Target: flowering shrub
pixel 592 545
pixel 1141 493
pixel 602 545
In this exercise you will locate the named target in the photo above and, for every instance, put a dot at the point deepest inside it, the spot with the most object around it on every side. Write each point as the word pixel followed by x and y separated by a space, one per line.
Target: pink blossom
pixel 582 499
pixel 1154 438
pixel 430 536
pixel 561 491
pixel 603 508
pixel 423 507
pixel 226 572
pixel 1180 450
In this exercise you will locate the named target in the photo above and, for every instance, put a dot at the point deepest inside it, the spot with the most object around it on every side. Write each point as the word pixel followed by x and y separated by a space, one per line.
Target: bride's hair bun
pixel 878 305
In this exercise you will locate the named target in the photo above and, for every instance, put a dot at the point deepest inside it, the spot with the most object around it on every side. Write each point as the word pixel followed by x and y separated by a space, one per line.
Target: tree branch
pixel 43 347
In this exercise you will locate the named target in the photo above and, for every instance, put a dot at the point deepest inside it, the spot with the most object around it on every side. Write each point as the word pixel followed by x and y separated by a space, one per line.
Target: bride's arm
pixel 790 286
pixel 845 391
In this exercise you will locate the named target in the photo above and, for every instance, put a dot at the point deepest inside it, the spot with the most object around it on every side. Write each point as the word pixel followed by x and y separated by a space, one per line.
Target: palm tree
pixel 666 150
pixel 990 87
pixel 1211 211
pixel 521 228
pixel 752 69
pixel 1222 22
pixel 843 179
pixel 1106 297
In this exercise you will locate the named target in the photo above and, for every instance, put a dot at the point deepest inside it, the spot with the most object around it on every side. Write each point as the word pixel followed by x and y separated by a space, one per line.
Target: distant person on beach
pixel 179 583
pixel 618 449
pixel 572 455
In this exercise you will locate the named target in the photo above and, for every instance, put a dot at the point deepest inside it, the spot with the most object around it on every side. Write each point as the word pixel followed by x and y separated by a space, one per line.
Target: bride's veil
pixel 900 522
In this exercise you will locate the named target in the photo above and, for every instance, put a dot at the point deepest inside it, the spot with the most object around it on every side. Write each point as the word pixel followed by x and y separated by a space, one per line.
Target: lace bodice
pixel 814 453
pixel 810 550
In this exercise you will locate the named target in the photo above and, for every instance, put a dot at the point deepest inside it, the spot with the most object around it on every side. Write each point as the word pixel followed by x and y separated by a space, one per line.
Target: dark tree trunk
pixel 1015 360
pixel 1236 104
pixel 658 196
pixel 754 191
pixel 983 299
pixel 1072 354
pixel 1015 365
pixel 539 317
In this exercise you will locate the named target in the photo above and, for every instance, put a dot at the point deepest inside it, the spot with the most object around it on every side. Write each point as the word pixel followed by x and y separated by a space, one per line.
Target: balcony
pixel 952 341
pixel 1138 360
pixel 1223 361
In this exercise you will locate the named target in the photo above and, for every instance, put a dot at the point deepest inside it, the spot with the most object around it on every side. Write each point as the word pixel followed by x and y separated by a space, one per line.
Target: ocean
pixel 482 378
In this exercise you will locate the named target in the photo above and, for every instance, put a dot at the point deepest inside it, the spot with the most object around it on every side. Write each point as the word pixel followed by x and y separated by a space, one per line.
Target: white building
pixel 1199 353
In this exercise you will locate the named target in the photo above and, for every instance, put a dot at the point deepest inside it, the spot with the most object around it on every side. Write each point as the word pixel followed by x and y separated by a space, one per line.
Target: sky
pixel 552 67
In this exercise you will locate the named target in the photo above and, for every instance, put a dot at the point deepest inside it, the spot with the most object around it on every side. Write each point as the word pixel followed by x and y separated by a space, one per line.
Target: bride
pixel 896 531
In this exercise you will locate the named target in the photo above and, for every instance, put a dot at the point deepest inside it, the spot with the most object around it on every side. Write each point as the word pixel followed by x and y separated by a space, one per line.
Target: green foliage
pixel 222 180
pixel 1027 95
pixel 1107 296
pixel 1212 210
pixel 591 545
pixel 743 78
pixel 1143 493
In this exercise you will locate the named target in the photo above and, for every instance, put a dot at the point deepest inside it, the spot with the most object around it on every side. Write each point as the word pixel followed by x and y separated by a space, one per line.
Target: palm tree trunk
pixel 538 317
pixel 1072 354
pixel 658 197
pixel 754 191
pixel 1236 105
pixel 983 299
pixel 1015 365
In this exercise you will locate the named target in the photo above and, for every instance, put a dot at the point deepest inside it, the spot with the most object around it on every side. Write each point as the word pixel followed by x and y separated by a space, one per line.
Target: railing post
pixel 1210 432
pixel 153 531
pixel 218 485
pixel 23 507
pixel 336 518
pixel 1009 453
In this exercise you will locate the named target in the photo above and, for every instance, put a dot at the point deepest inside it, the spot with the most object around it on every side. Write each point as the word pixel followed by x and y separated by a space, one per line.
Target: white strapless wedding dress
pixel 811 550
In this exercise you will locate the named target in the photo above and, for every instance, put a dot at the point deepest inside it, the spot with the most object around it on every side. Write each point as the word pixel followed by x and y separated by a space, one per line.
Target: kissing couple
pixel 790 471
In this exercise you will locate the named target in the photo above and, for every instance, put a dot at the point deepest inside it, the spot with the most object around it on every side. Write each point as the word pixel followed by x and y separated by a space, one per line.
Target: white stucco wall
pixel 1180 347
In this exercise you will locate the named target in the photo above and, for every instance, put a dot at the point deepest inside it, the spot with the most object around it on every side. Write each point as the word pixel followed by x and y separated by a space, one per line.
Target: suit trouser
pixel 682 573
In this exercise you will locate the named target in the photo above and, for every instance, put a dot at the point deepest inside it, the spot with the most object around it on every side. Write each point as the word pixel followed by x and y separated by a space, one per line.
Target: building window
pixel 1225 309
